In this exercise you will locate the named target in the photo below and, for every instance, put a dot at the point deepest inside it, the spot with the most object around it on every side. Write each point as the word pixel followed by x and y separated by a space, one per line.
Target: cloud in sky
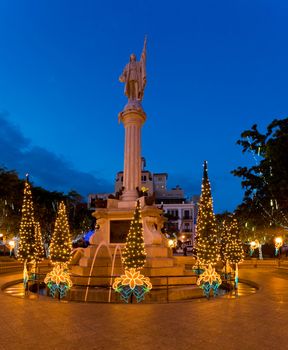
pixel 46 168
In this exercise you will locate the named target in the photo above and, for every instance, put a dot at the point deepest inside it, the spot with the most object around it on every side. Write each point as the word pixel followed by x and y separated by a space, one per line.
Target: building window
pixel 186 214
pixel 173 212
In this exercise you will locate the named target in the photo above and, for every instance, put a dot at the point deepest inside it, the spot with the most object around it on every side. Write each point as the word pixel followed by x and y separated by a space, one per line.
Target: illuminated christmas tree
pixel 225 239
pixel 39 249
pixel 27 247
pixel 134 254
pixel 234 252
pixel 207 246
pixel 61 244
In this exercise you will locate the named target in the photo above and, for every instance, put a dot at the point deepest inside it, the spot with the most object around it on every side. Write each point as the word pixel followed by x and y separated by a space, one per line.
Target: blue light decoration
pixel 88 235
pixel 58 280
pixel 236 276
pixel 209 280
pixel 198 268
pixel 25 275
pixel 132 283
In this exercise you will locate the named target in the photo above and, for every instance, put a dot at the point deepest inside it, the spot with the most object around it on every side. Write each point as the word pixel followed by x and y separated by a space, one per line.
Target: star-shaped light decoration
pixel 132 282
pixel 209 279
pixel 58 279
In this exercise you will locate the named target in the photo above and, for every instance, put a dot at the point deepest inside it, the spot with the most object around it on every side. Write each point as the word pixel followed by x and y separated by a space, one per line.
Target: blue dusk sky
pixel 214 68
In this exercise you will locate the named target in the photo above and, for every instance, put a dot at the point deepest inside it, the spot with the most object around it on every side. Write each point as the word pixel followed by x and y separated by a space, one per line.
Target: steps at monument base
pixel 154 251
pixel 102 262
pixel 159 262
pixel 158 251
pixel 96 271
pixel 103 251
pixel 105 270
pixel 163 271
pixel 94 281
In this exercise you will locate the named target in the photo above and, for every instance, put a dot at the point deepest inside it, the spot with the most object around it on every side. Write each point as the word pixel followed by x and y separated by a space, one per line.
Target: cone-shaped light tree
pixel 234 252
pixel 225 240
pixel 27 247
pixel 61 243
pixel 207 246
pixel 39 248
pixel 134 254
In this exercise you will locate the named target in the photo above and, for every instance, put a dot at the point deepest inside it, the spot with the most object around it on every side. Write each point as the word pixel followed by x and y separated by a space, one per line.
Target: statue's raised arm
pixel 134 76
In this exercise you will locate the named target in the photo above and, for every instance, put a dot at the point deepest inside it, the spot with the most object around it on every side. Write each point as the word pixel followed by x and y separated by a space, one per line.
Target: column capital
pixel 132 117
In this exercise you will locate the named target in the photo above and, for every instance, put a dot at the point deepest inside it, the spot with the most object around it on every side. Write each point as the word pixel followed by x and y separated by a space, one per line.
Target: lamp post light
pixel 172 243
pixel 11 247
pixel 253 245
pixel 278 244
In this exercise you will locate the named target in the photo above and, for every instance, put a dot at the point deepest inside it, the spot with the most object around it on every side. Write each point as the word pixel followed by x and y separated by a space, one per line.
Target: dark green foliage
pixel 265 203
pixel 45 208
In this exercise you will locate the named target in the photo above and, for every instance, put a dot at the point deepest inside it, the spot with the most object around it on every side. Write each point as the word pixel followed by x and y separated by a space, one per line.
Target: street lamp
pixel 278 244
pixel 172 243
pixel 253 245
pixel 11 246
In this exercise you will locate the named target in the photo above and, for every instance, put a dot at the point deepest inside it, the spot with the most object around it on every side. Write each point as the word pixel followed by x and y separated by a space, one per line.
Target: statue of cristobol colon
pixel 134 77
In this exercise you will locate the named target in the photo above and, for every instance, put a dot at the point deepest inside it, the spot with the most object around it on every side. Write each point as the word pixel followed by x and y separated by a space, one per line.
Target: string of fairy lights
pixel 207 247
pixel 134 254
pixel 273 201
pixel 61 243
pixel 30 238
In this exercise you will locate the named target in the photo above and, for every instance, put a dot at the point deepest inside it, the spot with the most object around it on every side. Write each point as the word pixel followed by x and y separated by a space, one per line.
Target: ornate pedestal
pixel 159 257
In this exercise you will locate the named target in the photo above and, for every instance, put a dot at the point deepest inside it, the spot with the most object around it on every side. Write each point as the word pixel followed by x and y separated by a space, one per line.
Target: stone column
pixel 133 121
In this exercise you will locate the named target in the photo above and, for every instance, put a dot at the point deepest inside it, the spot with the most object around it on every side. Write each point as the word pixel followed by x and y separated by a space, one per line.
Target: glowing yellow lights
pixel 278 242
pixel 231 245
pixel 28 244
pixel 206 238
pixel 11 244
pixel 134 254
pixel 132 278
pixel 254 244
pixel 209 275
pixel 61 244
pixel 59 275
pixel 172 243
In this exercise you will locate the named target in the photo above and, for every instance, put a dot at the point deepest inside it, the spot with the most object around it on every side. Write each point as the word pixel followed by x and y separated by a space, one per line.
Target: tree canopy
pixel 265 202
pixel 45 207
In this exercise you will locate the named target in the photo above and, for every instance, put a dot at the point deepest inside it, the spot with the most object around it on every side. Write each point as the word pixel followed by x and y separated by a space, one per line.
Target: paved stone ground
pixel 257 321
